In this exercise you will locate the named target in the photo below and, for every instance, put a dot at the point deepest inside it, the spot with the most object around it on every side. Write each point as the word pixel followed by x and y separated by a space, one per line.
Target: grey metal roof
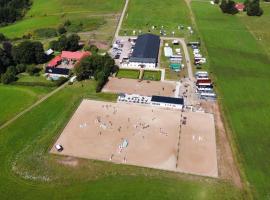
pixel 171 100
pixel 146 49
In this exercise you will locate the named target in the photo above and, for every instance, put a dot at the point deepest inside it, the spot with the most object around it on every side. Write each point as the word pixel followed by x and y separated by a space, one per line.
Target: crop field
pixel 15 99
pixel 240 67
pixel 28 171
pixel 93 14
pixel 142 15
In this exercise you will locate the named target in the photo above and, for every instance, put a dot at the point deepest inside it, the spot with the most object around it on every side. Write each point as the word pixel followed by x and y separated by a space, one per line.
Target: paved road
pixel 121 20
pixel 33 106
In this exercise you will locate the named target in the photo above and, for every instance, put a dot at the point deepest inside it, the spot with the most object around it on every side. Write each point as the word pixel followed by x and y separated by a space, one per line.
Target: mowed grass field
pixel 142 15
pixel 15 99
pixel 152 75
pixel 240 66
pixel 128 73
pixel 28 171
pixel 52 13
pixel 260 26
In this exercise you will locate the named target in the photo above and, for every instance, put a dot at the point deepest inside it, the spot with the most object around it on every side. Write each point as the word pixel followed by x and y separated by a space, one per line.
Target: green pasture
pixel 151 75
pixel 51 13
pixel 142 15
pixel 15 99
pixel 28 171
pixel 240 68
pixel 128 73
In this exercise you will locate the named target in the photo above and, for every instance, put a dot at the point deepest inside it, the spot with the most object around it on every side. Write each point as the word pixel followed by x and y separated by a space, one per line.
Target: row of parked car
pixel 198 58
pixel 204 85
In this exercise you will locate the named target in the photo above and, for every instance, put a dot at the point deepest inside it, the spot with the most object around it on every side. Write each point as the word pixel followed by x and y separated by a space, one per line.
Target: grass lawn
pixel 241 70
pixel 24 77
pixel 165 63
pixel 51 13
pixel 260 26
pixel 128 73
pixel 151 75
pixel 142 15
pixel 15 99
pixel 28 171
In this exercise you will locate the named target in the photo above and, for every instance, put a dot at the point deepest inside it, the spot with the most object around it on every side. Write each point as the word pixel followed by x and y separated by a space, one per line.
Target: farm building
pixel 68 58
pixel 167 102
pixel 146 50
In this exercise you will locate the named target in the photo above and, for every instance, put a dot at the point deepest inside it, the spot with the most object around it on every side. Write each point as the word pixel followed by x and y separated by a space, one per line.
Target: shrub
pixel 45 32
pixel 21 68
pixel 32 69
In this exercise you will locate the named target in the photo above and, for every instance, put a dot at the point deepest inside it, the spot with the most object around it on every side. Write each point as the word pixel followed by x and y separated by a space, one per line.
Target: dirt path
pixel 121 20
pixel 33 106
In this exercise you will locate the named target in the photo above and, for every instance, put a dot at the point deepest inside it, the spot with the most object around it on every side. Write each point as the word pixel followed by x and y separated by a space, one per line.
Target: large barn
pixel 146 50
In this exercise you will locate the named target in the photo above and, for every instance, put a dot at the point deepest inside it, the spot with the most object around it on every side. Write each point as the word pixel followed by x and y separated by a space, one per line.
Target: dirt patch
pixel 100 44
pixel 69 161
pixel 226 163
pixel 146 88
pixel 144 136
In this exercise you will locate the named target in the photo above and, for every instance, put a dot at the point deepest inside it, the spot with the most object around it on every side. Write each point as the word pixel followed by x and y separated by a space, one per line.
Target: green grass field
pixel 28 171
pixel 142 15
pixel 15 99
pixel 51 13
pixel 241 70
pixel 128 73
pixel 152 75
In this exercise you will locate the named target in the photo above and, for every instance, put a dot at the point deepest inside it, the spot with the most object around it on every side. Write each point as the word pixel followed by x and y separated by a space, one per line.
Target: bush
pixel 253 8
pixel 21 68
pixel 8 77
pixel 228 6
pixel 61 29
pixel 45 32
pixel 32 70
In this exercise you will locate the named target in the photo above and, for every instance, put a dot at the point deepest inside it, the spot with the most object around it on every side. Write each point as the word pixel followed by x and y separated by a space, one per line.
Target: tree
pixel 253 8
pixel 61 30
pixel 228 6
pixel 5 61
pixel 2 37
pixel 9 76
pixel 73 42
pixel 29 52
pixel 98 66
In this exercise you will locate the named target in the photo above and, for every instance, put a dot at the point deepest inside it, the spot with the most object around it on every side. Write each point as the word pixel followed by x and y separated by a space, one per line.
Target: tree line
pixel 252 7
pixel 12 10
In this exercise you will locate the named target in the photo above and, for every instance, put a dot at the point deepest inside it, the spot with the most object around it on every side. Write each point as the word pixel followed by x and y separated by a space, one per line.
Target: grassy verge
pixel 241 67
pixel 128 73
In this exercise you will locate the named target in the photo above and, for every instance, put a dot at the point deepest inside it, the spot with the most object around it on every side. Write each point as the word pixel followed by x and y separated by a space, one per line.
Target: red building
pixel 240 7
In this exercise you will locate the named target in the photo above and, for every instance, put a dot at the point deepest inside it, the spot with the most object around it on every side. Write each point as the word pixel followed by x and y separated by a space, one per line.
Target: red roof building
pixel 240 7
pixel 55 61
pixel 68 55
pixel 78 55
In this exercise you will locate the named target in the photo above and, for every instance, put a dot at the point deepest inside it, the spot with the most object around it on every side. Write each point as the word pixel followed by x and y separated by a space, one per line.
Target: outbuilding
pixel 167 102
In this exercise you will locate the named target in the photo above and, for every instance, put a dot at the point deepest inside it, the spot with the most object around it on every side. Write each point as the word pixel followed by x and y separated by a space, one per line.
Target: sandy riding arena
pixel 146 88
pixel 137 135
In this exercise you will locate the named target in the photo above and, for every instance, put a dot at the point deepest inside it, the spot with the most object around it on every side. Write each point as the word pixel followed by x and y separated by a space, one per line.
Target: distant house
pixel 70 58
pixel 240 7
pixel 61 65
